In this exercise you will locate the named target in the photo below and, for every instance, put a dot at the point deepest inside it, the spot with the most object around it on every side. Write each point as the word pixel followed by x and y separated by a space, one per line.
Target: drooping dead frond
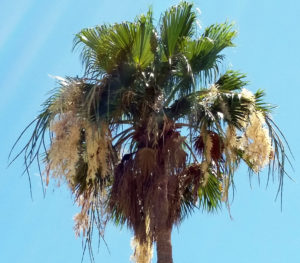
pixel 230 144
pixel 192 178
pixel 63 153
pixel 127 98
pixel 146 160
pixel 142 249
pixel 210 145
pixel 152 131
pixel 142 252
pixel 256 142
pixel 98 141
pixel 81 223
pixel 172 152
pixel 69 96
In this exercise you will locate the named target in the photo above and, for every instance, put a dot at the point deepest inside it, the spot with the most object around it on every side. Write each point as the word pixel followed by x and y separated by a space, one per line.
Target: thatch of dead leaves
pixel 137 179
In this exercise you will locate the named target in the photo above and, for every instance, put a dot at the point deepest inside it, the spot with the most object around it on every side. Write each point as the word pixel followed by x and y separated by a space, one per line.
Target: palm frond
pixel 105 47
pixel 177 23
pixel 234 108
pixel 179 108
pixel 280 156
pixel 231 81
pixel 210 195
pixel 89 38
pixel 204 53
pixel 260 104
pixel 183 79
pixel 145 41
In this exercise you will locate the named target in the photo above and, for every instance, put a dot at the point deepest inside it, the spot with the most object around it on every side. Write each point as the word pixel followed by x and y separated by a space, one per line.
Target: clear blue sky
pixel 36 40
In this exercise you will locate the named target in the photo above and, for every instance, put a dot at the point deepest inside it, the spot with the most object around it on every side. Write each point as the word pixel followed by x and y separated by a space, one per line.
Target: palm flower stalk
pixel 154 128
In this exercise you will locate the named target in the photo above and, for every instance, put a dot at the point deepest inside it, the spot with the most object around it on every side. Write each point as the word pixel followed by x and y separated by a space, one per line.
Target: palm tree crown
pixel 154 128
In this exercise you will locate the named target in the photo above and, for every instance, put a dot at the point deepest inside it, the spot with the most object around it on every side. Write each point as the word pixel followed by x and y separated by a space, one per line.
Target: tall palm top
pixel 155 117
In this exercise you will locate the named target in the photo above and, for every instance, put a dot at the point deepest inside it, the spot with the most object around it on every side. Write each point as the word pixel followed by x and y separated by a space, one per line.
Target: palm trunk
pixel 164 229
pixel 164 246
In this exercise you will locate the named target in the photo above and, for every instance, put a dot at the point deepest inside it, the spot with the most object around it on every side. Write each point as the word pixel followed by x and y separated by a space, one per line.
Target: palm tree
pixel 154 129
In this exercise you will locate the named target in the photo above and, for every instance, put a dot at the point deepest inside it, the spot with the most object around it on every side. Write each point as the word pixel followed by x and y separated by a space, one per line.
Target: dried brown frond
pixel 192 178
pixel 152 131
pixel 142 251
pixel 146 160
pixel 70 96
pixel 63 153
pixel 211 145
pixel 174 199
pixel 256 142
pixel 124 200
pixel 127 98
pixel 98 141
pixel 81 223
pixel 184 185
pixel 82 155
pixel 230 144
pixel 134 188
pixel 140 136
pixel 172 152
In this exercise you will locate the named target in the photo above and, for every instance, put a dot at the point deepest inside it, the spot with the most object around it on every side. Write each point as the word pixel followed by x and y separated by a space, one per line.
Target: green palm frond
pixel 234 108
pixel 183 79
pixel 225 104
pixel 177 23
pixel 89 39
pixel 197 52
pixel 204 53
pixel 105 47
pixel 103 100
pixel 208 199
pixel 204 113
pixel 210 195
pixel 179 108
pixel 231 81
pixel 260 104
pixel 145 42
